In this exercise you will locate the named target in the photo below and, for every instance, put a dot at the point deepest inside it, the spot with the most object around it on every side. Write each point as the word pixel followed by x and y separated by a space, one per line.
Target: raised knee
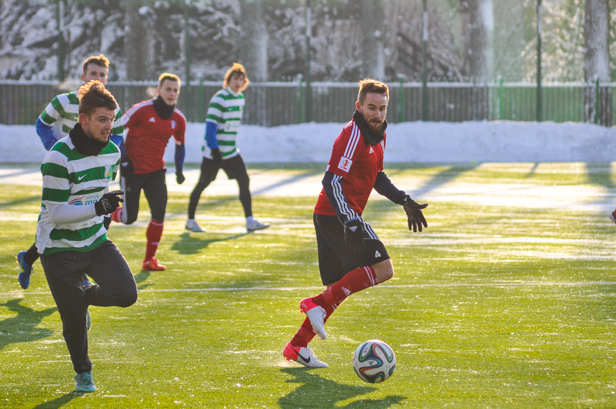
pixel 128 299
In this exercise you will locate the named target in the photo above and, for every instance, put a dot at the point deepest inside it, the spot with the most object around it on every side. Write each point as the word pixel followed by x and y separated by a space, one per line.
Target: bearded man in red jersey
pixel 150 125
pixel 351 255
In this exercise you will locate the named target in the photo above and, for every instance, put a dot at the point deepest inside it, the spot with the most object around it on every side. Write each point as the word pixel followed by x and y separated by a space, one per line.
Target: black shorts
pixel 335 257
pixel 235 168
pixel 155 188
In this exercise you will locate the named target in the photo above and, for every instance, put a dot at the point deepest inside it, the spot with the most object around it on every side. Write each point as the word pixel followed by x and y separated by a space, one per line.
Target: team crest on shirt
pixel 109 172
pixel 173 124
pixel 345 164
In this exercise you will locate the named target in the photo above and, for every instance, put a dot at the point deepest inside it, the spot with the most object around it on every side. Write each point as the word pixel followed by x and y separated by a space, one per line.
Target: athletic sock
pixel 305 334
pixel 31 255
pixel 153 234
pixel 354 281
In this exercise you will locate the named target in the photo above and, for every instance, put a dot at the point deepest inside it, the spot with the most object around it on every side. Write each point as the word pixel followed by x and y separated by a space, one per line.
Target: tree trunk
pixel 476 50
pixel 597 62
pixel 253 55
pixel 138 42
pixel 373 60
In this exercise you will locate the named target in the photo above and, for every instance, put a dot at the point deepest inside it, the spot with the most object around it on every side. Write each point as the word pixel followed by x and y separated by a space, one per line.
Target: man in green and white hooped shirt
pixel 71 236
pixel 224 116
pixel 54 123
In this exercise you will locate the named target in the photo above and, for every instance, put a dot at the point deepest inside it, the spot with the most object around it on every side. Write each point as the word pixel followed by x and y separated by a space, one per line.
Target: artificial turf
pixel 493 306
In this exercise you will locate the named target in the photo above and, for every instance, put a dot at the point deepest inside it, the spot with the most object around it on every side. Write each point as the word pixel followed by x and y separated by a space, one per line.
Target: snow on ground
pixel 428 142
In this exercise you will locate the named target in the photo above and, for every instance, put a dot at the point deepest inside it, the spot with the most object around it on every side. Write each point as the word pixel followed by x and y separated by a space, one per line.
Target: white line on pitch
pixel 445 285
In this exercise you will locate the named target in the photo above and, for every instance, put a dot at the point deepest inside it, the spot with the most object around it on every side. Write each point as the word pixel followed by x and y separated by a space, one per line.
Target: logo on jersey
pixel 109 172
pixel 152 120
pixel 371 150
pixel 345 164
pixel 84 200
pixel 173 124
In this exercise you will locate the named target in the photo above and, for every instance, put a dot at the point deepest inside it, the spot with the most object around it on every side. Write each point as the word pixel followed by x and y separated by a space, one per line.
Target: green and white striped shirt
pixel 62 113
pixel 225 110
pixel 72 183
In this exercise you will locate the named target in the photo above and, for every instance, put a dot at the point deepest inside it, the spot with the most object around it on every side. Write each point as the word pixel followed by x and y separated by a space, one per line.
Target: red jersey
pixel 358 163
pixel 148 135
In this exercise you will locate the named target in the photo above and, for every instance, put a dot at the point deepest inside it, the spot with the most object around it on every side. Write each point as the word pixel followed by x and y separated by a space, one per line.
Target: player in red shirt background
pixel 351 255
pixel 150 125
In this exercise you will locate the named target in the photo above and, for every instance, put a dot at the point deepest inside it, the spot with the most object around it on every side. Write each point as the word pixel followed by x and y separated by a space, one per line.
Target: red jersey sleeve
pixel 179 135
pixel 344 151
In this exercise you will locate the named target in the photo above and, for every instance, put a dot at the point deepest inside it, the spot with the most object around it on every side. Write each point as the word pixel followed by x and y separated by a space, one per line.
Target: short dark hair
pixel 238 69
pixel 99 60
pixel 369 86
pixel 93 95
pixel 168 76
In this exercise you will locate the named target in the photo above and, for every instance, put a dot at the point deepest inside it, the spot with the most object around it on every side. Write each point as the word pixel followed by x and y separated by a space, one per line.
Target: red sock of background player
pixel 354 281
pixel 153 234
pixel 305 333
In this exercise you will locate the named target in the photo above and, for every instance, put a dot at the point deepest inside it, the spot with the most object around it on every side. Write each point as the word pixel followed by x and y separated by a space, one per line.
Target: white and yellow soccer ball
pixel 374 361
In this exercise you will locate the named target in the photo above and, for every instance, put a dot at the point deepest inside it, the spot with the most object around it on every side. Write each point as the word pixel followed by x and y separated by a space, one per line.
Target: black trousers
pixel 116 287
pixel 235 168
pixel 154 186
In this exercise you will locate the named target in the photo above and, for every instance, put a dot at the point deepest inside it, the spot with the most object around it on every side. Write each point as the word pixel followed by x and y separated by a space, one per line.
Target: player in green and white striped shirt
pixel 224 116
pixel 71 235
pixel 54 123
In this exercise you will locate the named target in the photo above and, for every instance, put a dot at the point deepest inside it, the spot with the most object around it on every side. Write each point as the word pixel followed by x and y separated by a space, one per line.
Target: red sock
pixel 153 234
pixel 354 281
pixel 305 334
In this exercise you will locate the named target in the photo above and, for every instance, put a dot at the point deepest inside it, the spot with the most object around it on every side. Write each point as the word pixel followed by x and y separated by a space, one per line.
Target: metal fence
pixel 274 104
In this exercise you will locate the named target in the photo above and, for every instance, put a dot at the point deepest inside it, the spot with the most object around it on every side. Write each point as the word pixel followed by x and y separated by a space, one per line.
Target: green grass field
pixel 494 306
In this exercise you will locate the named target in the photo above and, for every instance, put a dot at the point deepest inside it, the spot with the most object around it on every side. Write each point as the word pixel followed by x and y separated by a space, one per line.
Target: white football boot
pixel 303 355
pixel 253 225
pixel 192 225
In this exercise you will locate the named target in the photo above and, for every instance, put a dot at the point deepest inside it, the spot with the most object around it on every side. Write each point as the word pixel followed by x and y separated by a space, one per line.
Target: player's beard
pixel 375 125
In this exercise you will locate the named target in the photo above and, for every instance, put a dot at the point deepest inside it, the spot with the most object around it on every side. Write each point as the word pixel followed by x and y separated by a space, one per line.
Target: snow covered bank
pixel 406 142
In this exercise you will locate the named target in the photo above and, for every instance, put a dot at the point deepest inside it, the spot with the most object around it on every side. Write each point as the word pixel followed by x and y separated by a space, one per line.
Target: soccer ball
pixel 374 361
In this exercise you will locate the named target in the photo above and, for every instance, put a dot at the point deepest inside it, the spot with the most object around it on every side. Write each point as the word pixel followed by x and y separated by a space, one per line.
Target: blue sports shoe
pixel 86 283
pixel 24 270
pixel 84 382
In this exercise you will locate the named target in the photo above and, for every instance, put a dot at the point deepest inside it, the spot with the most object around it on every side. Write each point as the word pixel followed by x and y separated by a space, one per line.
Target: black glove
pixel 216 156
pixel 354 234
pixel 109 203
pixel 107 222
pixel 414 214
pixel 126 166
pixel 179 176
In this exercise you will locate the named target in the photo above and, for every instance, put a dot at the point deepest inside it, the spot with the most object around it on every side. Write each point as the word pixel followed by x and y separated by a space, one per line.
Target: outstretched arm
pixel 385 187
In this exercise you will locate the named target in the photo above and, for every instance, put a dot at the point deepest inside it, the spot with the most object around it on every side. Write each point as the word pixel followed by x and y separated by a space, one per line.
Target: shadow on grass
pixel 59 402
pixel 599 175
pixel 315 391
pixel 188 244
pixel 441 178
pixel 141 277
pixel 22 328
pixel 532 171
pixel 25 200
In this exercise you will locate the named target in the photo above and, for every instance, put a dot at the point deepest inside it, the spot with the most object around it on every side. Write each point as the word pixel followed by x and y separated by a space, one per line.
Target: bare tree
pixel 372 19
pixel 139 41
pixel 597 61
pixel 253 55
pixel 472 13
